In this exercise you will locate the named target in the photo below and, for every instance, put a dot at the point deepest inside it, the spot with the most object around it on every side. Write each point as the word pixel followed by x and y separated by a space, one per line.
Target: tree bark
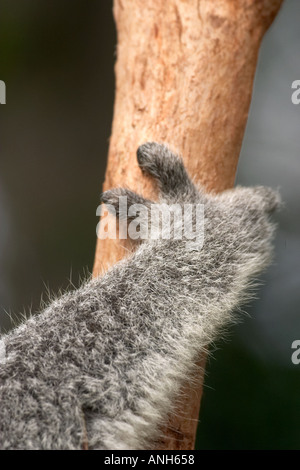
pixel 184 75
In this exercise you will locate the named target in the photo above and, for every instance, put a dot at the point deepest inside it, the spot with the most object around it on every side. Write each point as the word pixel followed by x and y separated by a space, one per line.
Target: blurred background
pixel 57 62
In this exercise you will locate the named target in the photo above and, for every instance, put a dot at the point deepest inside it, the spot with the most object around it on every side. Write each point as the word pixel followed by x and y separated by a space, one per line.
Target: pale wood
pixel 184 75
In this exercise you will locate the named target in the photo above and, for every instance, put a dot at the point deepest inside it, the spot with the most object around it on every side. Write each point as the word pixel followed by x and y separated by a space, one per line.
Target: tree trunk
pixel 184 76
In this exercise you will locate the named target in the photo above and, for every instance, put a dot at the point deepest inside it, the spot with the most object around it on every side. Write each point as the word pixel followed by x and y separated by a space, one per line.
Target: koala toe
pixel 267 198
pixel 168 169
pixel 119 200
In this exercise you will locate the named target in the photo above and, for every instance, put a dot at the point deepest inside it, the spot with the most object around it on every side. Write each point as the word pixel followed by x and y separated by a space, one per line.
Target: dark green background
pixel 57 61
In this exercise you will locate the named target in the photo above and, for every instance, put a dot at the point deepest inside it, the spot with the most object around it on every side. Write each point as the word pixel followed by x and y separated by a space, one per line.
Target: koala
pixel 102 366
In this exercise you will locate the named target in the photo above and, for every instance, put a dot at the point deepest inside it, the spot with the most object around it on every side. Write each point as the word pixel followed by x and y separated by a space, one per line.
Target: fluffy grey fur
pixel 104 364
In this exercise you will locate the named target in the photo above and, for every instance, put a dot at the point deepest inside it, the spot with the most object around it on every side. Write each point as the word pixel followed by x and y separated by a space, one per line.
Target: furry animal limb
pixel 184 75
pixel 105 363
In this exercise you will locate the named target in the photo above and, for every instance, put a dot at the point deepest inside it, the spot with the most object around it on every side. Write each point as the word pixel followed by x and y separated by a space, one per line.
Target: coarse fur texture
pixel 102 366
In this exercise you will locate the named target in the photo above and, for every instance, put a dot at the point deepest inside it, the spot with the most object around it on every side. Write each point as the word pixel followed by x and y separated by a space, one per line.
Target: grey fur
pixel 105 363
